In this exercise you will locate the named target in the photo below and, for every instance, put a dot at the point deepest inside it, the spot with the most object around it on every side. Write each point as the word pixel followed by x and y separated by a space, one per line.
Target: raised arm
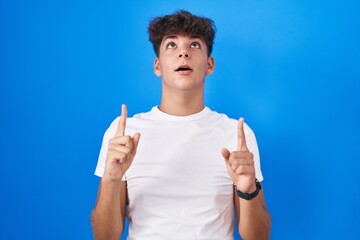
pixel 253 219
pixel 108 215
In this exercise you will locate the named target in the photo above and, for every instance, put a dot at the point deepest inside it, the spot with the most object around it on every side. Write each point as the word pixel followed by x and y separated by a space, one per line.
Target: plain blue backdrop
pixel 291 68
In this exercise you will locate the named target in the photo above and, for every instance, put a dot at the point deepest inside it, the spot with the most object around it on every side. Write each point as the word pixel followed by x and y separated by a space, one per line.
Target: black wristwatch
pixel 249 196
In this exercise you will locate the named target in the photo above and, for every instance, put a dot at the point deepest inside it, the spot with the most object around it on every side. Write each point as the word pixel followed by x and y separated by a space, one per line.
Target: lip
pixel 184 69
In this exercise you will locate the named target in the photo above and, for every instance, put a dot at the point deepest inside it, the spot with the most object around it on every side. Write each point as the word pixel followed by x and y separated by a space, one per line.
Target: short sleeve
pixel 110 133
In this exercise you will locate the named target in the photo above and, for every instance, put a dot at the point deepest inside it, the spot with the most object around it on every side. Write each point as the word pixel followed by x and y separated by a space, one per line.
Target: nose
pixel 183 50
pixel 183 54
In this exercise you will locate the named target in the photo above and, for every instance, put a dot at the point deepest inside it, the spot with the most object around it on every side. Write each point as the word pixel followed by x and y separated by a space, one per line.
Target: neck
pixel 182 103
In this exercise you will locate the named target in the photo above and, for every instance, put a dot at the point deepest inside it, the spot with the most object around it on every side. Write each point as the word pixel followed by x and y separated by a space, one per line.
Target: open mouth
pixel 183 68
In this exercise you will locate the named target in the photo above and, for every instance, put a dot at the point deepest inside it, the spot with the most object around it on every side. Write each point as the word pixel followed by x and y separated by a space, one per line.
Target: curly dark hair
pixel 181 22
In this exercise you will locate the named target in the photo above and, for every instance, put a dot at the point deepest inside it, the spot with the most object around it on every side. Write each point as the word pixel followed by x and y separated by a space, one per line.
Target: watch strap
pixel 249 196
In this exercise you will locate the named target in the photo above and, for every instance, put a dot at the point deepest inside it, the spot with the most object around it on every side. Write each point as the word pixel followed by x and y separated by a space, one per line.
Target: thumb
pixel 136 139
pixel 226 154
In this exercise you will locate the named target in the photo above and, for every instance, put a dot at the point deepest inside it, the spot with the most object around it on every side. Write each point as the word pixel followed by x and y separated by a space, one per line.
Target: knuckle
pixel 127 150
pixel 239 170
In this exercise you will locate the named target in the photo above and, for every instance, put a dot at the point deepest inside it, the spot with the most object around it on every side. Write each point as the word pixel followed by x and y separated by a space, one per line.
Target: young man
pixel 191 166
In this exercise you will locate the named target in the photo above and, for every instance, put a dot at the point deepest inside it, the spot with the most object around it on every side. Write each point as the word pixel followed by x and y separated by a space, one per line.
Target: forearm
pixel 254 219
pixel 108 215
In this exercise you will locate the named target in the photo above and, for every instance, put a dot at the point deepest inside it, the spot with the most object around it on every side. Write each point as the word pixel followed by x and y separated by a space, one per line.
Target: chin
pixel 183 83
pixel 186 86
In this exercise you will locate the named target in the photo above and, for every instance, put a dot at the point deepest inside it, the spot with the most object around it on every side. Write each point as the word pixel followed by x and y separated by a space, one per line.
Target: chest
pixel 183 161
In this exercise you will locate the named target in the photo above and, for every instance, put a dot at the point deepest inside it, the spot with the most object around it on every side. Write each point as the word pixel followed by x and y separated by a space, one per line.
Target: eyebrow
pixel 176 36
pixel 169 37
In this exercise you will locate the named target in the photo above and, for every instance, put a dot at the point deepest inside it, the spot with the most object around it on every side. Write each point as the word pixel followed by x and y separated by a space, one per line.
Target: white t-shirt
pixel 178 185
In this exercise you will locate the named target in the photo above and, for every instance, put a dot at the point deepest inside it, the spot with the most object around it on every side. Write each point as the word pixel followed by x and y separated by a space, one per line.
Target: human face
pixel 183 62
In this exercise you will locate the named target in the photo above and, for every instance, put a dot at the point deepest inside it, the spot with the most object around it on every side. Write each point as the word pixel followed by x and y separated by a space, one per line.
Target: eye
pixel 171 45
pixel 195 45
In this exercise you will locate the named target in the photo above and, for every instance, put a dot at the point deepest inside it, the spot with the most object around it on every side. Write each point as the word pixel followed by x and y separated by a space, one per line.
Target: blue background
pixel 291 68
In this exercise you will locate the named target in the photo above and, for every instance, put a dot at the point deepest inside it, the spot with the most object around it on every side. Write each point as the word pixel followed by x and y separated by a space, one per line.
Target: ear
pixel 211 66
pixel 157 69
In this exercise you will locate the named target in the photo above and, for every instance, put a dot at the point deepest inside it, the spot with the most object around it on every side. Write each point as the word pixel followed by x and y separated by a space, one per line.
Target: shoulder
pixel 223 119
pixel 230 123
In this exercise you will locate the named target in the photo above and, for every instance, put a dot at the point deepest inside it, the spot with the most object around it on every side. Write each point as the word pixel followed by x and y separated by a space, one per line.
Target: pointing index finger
pixel 120 131
pixel 241 136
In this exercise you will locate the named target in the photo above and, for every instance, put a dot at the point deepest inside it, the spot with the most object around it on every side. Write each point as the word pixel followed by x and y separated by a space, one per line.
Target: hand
pixel 240 163
pixel 121 150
